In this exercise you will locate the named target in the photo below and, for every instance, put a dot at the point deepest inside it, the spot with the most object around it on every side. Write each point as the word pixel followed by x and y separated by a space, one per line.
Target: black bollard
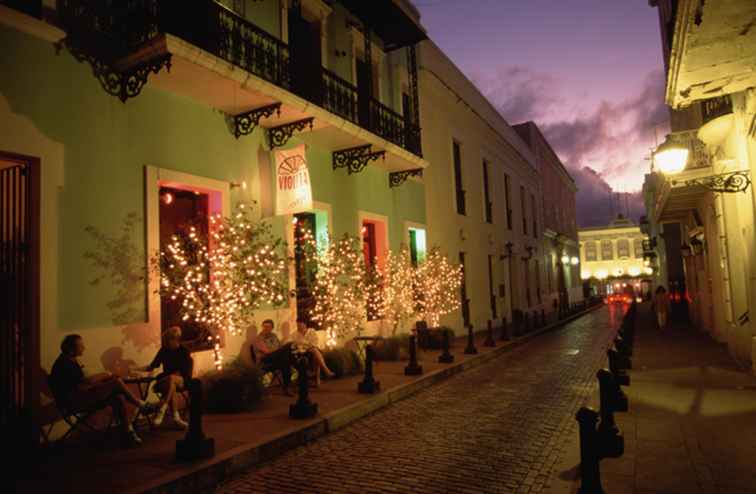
pixel 590 475
pixel 412 368
pixel 618 361
pixel 504 336
pixel 195 446
pixel 470 350
pixel 303 408
pixel 490 337
pixel 445 357
pixel 623 346
pixel 369 385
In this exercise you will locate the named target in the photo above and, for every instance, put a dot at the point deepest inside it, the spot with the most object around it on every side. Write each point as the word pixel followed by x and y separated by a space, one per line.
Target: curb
pixel 210 473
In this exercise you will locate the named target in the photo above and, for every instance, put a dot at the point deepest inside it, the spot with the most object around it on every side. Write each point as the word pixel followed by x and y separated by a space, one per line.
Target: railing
pixel 339 96
pixel 715 108
pixel 393 127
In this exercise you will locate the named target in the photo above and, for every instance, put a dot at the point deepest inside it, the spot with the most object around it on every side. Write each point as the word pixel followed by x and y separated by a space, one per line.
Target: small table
pixel 143 385
pixel 363 341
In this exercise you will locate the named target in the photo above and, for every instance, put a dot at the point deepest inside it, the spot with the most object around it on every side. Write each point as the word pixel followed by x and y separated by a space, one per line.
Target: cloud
pixel 605 147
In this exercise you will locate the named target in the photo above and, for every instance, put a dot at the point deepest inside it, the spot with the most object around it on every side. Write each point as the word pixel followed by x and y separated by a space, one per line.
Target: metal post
pixel 303 408
pixel 590 475
pixel 413 369
pixel 470 350
pixel 369 385
pixel 195 446
pixel 490 342
pixel 445 357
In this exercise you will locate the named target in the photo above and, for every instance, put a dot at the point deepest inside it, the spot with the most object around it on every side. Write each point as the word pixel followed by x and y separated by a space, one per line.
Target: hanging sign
pixel 293 189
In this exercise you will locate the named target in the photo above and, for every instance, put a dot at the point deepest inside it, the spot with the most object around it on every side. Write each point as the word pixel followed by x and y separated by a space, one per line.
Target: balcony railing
pixel 339 96
pixel 393 127
pixel 109 30
pixel 715 107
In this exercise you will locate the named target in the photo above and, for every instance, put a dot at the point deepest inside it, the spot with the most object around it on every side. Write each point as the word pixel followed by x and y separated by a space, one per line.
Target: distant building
pixel 612 257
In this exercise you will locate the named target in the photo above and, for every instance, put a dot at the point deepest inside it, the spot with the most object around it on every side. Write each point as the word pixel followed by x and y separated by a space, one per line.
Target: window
pixel 417 245
pixel 507 201
pixel 459 189
pixel 638 248
pixel 491 293
pixel 463 291
pixel 607 250
pixel 591 253
pixel 535 215
pixel 523 203
pixel 623 248
pixel 487 194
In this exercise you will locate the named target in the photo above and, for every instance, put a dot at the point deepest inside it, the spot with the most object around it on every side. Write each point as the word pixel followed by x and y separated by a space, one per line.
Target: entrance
pixel 19 304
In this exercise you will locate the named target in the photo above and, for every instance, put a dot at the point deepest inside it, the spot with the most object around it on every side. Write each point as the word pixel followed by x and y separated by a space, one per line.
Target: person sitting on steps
pixel 80 392
pixel 177 371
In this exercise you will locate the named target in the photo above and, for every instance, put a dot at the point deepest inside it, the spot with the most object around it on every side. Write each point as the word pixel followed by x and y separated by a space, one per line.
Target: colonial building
pixel 482 196
pixel 118 124
pixel 612 257
pixel 705 167
pixel 560 248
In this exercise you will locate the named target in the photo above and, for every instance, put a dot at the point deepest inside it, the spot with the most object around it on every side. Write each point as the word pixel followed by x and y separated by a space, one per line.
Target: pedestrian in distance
pixel 661 306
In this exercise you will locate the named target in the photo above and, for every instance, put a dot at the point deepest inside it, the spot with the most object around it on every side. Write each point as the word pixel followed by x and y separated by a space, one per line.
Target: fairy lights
pixel 221 282
pixel 438 282
pixel 395 299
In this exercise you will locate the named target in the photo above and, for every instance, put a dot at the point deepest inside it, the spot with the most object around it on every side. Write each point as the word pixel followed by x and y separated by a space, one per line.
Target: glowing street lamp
pixel 575 260
pixel 565 259
pixel 671 156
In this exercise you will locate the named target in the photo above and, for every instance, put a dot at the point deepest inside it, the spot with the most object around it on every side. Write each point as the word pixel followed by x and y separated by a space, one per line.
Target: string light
pixel 438 283
pixel 223 279
pixel 395 298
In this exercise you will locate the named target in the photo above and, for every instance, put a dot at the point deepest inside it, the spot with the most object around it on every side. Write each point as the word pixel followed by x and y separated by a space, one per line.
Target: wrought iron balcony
pixel 715 107
pixel 106 32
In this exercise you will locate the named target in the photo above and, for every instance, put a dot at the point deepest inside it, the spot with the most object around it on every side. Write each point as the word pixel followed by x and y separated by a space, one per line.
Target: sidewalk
pixel 243 440
pixel 691 427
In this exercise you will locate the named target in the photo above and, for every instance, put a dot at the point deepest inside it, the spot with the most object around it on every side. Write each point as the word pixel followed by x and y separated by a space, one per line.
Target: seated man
pixel 76 392
pixel 272 355
pixel 308 337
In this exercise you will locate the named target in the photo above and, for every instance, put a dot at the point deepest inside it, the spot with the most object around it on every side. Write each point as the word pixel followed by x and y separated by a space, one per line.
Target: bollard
pixel 590 475
pixel 470 350
pixel 369 385
pixel 611 442
pixel 412 368
pixel 490 337
pixel 618 361
pixel 303 408
pixel 623 346
pixel 504 336
pixel 445 357
pixel 195 446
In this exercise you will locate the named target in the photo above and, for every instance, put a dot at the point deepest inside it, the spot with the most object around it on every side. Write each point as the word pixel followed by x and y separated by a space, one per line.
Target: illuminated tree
pixel 396 297
pixel 223 280
pixel 437 282
pixel 340 288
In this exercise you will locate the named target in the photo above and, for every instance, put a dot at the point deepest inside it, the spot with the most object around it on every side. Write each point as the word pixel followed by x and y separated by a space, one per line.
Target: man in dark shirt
pixel 73 391
pixel 271 354
pixel 177 371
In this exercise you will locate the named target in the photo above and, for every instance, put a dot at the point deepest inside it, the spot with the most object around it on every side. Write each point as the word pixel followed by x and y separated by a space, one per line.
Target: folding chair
pixel 78 420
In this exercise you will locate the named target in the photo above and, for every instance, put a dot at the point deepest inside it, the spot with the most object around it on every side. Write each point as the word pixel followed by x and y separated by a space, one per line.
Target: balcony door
pixel 305 49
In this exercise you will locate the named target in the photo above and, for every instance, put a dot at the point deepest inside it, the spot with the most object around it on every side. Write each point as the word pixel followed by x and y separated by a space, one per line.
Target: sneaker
pixel 180 423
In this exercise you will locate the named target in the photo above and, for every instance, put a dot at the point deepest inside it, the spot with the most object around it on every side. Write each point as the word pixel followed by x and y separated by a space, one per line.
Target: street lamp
pixel 671 156
pixel 575 260
pixel 565 259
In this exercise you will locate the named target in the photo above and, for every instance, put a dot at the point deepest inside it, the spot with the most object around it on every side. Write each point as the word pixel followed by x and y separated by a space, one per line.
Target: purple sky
pixel 588 72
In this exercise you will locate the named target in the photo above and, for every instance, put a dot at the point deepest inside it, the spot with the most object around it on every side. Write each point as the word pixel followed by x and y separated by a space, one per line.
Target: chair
pixel 78 419
pixel 276 376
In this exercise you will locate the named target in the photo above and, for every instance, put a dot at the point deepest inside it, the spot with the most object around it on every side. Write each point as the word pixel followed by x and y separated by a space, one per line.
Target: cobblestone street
pixel 496 428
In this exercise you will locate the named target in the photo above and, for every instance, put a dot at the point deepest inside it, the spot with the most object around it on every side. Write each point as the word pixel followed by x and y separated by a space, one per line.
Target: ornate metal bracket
pixel 245 123
pixel 738 181
pixel 398 178
pixel 122 84
pixel 355 159
pixel 278 136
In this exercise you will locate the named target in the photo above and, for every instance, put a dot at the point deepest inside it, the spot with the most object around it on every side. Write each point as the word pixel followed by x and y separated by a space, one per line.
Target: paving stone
pixel 499 427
